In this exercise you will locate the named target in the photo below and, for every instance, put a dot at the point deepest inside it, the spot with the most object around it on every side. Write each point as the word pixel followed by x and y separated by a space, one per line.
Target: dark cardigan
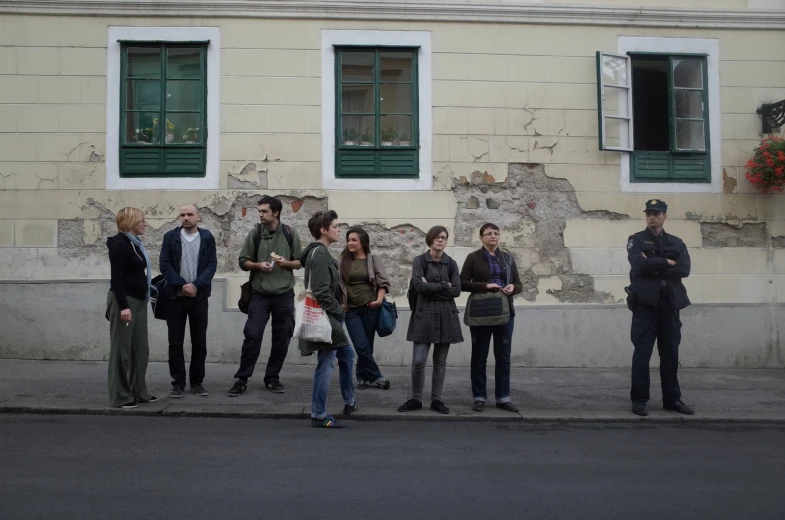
pixel 476 275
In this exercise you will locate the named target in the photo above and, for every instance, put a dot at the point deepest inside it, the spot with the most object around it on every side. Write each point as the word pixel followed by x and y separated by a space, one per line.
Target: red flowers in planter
pixel 766 169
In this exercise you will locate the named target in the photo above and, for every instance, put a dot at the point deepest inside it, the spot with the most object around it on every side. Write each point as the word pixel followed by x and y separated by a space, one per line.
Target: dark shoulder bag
pixel 489 309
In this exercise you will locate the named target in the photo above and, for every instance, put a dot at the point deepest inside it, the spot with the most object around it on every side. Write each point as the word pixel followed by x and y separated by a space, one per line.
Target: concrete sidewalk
pixel 542 394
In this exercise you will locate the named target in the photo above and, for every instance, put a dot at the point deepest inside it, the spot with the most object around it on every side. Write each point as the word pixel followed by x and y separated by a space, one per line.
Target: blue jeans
pixel 502 343
pixel 361 325
pixel 321 378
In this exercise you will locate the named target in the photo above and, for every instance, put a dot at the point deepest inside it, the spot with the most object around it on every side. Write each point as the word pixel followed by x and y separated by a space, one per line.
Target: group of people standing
pixel 350 290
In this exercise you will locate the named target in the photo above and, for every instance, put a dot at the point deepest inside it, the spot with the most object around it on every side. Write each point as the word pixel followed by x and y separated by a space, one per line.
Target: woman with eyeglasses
pixel 434 320
pixel 491 270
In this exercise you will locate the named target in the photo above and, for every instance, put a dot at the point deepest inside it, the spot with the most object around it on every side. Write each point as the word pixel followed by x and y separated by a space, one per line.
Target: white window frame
pixel 113 54
pixel 710 47
pixel 419 39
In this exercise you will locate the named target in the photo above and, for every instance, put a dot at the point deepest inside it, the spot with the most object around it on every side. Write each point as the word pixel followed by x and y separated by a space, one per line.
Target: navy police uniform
pixel 656 295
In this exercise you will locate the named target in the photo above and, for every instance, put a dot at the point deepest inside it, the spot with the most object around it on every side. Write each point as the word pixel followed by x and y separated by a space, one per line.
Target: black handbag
pixel 158 299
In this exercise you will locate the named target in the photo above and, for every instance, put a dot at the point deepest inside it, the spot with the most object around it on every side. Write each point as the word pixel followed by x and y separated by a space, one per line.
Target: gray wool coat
pixel 435 318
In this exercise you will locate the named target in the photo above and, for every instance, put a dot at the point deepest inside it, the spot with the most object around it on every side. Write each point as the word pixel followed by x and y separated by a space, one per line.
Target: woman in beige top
pixel 363 283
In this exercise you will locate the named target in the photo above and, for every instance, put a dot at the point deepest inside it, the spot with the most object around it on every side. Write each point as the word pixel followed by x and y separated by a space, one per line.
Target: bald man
pixel 188 262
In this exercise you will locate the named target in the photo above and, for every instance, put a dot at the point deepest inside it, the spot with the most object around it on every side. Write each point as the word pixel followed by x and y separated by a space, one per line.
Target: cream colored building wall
pixel 501 94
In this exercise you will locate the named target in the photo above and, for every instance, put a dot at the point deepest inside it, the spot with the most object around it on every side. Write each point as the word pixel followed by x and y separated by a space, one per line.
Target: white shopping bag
pixel 310 321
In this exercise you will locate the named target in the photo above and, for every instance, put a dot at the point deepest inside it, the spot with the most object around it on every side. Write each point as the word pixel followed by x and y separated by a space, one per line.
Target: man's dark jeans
pixel 260 309
pixel 502 343
pixel 195 312
pixel 361 324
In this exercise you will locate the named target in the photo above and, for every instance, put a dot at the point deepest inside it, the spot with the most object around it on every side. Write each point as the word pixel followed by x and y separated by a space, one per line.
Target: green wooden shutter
pixel 648 166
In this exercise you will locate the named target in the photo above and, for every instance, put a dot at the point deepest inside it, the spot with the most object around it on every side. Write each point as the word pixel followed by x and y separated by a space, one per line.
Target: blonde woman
pixel 126 310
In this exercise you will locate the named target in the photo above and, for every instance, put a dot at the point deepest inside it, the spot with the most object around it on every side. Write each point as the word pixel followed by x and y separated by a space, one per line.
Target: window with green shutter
pixel 656 106
pixel 163 110
pixel 376 107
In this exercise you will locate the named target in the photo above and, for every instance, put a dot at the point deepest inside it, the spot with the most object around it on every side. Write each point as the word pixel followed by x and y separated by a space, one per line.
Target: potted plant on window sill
pixel 388 136
pixel 404 140
pixel 350 137
pixel 766 169
pixel 191 136
pixel 143 135
pixel 366 137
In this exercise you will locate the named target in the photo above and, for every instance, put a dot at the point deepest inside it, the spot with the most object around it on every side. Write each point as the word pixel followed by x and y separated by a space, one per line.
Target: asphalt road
pixel 91 467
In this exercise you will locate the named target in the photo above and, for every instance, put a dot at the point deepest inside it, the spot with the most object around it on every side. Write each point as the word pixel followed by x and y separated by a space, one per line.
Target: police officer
pixel 658 262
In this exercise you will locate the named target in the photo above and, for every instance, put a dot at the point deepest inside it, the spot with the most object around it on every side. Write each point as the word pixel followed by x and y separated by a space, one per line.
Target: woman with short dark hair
pixel 491 270
pixel 321 275
pixel 363 284
pixel 434 318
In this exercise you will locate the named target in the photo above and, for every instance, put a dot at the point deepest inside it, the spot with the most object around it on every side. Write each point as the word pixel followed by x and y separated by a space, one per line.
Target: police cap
pixel 656 205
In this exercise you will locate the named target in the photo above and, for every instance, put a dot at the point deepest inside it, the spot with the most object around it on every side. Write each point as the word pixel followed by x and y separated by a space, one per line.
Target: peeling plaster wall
pixel 514 142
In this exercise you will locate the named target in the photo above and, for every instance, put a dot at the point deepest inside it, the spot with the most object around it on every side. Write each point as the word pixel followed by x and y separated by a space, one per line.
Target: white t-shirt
pixel 187 236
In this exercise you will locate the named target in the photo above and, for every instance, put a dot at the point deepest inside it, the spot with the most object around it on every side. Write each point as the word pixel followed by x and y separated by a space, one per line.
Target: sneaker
pixel 362 385
pixel 507 407
pixel 410 405
pixel 239 387
pixel 328 421
pixel 129 406
pixel 349 409
pixel 438 406
pixel 275 387
pixel 198 389
pixel 177 392
pixel 639 408
pixel 382 383
pixel 153 399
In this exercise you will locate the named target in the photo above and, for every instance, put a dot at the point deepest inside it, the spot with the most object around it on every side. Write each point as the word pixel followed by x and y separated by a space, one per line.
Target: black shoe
pixel 177 392
pixel 479 406
pixel 239 387
pixel 438 406
pixel 507 407
pixel 198 389
pixel 349 409
pixel 382 383
pixel 275 387
pixel 639 408
pixel 153 399
pixel 328 421
pixel 678 406
pixel 129 406
pixel 410 405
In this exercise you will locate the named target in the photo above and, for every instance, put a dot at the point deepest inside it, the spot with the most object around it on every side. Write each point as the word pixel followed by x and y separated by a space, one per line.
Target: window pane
pixel 358 130
pixel 617 133
pixel 396 130
pixel 143 94
pixel 397 99
pixel 181 128
pixel 183 63
pixel 396 66
pixel 141 127
pixel 615 101
pixel 357 66
pixel 688 73
pixel 689 135
pixel 689 104
pixel 144 62
pixel 614 71
pixel 357 99
pixel 183 95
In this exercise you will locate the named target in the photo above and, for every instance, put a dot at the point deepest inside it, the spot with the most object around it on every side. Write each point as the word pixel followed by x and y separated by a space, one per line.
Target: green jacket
pixel 321 271
pixel 279 280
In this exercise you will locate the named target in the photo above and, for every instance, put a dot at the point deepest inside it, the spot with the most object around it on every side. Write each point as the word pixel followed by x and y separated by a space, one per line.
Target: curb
pixel 300 412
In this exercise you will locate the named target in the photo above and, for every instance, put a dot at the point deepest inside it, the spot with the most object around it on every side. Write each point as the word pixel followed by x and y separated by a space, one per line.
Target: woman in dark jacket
pixel 126 310
pixel 484 271
pixel 434 318
pixel 364 284
pixel 321 275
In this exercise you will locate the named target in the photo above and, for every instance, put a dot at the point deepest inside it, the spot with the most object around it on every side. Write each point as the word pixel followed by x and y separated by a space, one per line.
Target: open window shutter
pixel 614 101
pixel 688 107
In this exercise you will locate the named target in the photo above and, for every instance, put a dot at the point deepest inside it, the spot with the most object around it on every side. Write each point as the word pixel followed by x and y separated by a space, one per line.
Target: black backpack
pixel 411 294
